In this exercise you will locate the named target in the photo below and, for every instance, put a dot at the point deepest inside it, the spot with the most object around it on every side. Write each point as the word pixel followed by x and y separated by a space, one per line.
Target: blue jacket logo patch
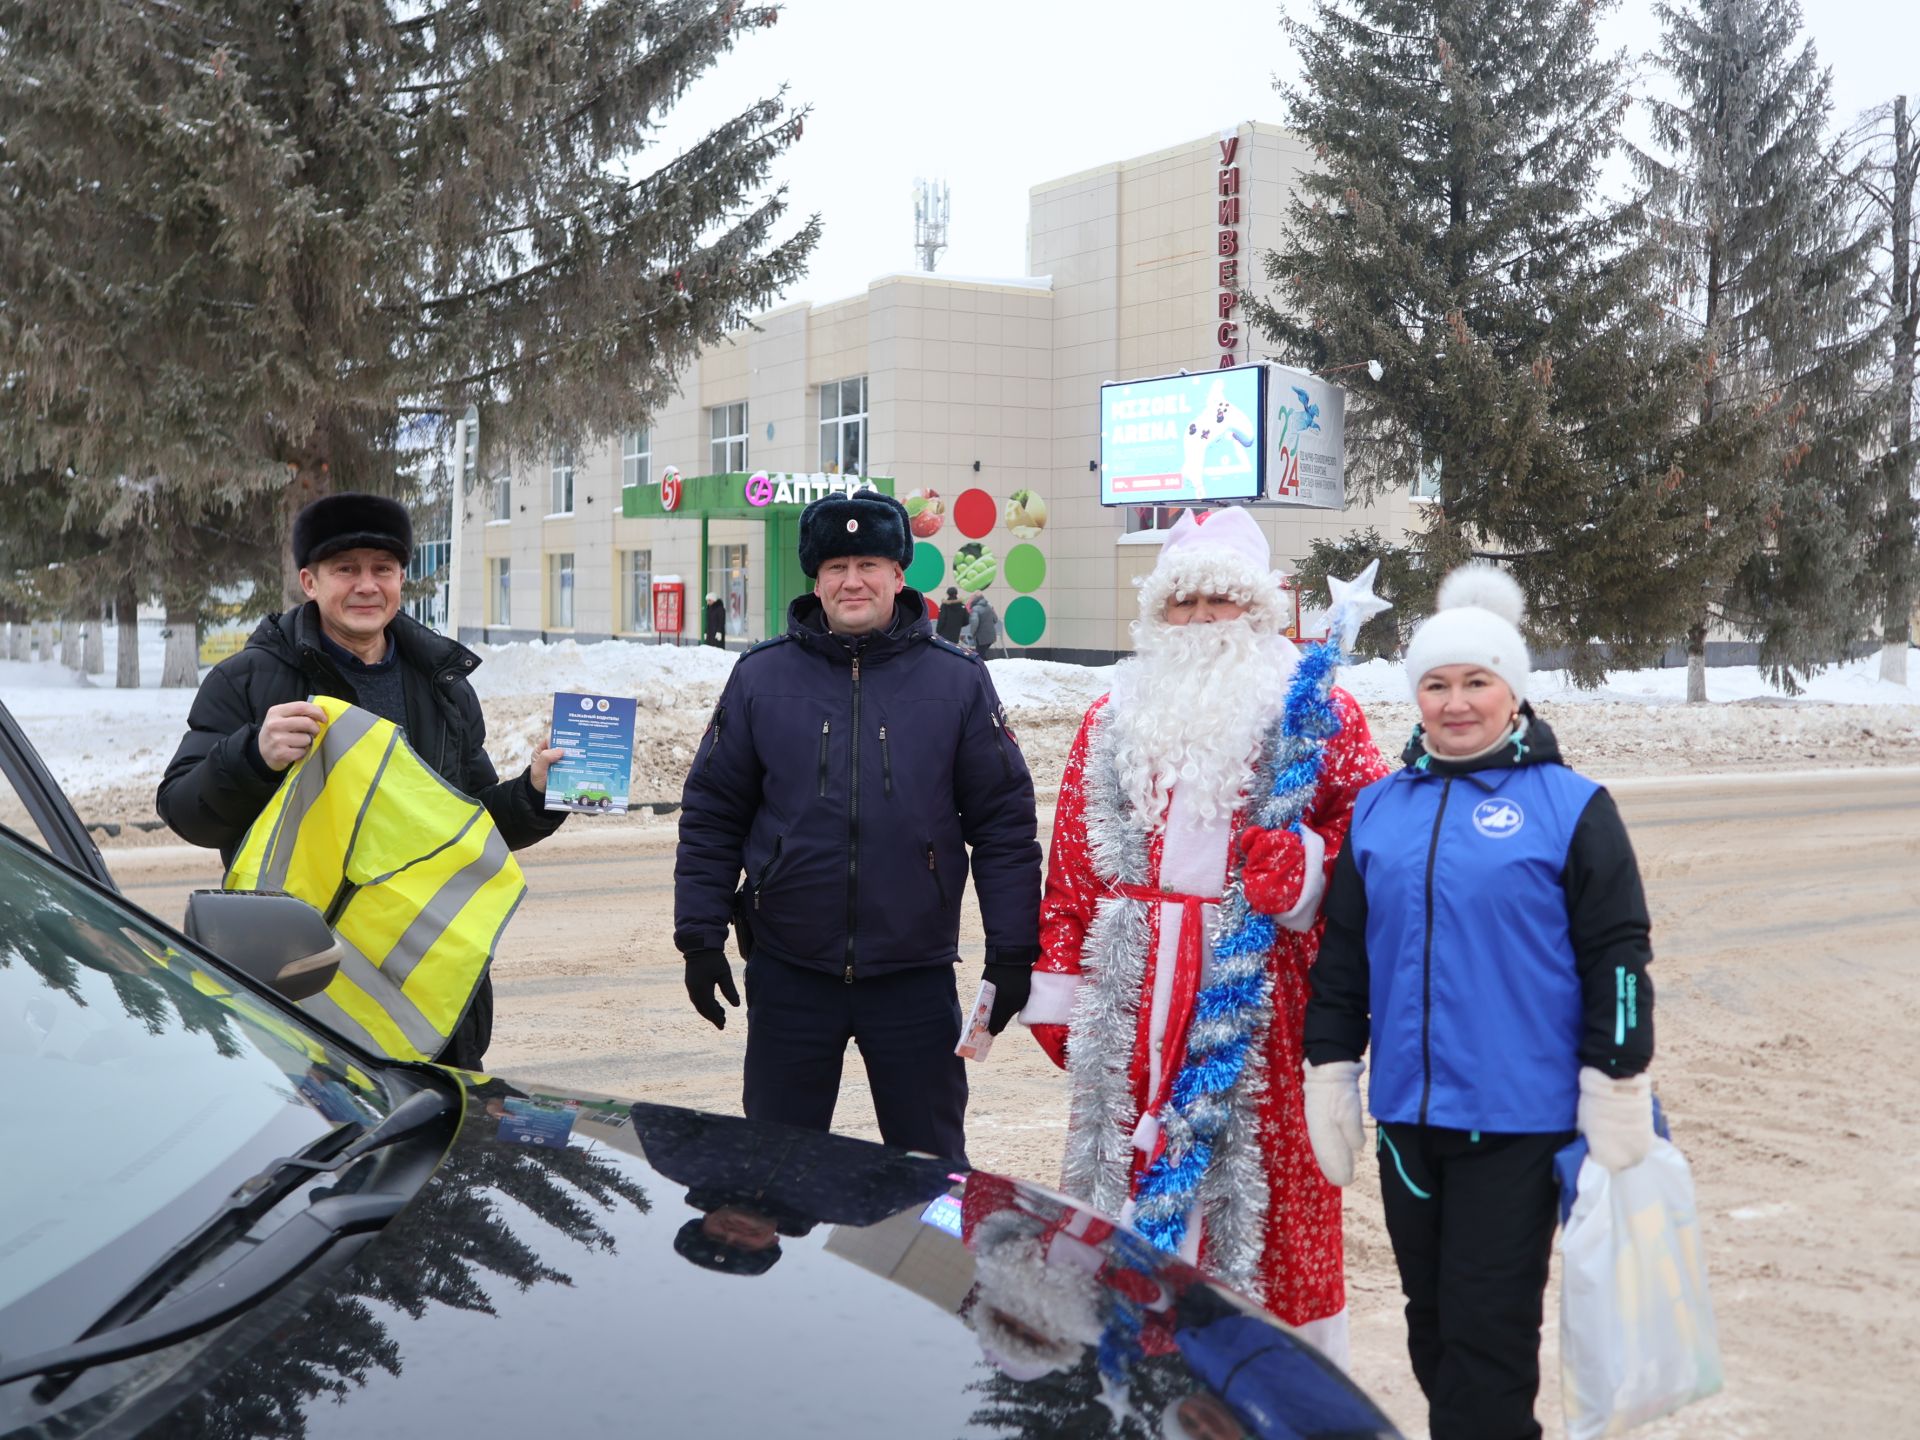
pixel 1498 818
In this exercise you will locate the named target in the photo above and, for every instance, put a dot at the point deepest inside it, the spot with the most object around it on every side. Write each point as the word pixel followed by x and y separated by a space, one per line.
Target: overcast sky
pixel 999 95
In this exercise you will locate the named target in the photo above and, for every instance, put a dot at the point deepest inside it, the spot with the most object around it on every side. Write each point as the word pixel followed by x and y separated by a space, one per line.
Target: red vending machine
pixel 669 606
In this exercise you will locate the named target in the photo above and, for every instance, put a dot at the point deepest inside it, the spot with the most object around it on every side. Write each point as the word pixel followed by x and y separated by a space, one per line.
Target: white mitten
pixel 1616 1116
pixel 1332 1093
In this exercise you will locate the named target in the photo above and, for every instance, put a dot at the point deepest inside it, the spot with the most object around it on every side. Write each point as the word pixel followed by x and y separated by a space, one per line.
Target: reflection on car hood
pixel 580 1266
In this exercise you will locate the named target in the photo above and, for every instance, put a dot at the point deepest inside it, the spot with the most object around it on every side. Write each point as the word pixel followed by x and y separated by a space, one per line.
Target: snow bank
pixel 1048 685
pixel 96 739
pixel 108 747
pixel 661 676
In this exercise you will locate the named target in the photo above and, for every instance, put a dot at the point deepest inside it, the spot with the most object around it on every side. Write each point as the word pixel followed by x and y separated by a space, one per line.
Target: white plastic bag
pixel 1637 1338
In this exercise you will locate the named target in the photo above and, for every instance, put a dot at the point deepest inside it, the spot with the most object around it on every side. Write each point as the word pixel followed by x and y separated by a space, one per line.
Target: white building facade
pixel 976 400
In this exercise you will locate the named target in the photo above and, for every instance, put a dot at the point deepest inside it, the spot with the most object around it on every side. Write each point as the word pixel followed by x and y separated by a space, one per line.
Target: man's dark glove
pixel 1010 985
pixel 708 972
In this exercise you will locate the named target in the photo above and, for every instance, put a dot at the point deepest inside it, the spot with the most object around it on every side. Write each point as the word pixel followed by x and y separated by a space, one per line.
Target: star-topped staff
pixel 1354 603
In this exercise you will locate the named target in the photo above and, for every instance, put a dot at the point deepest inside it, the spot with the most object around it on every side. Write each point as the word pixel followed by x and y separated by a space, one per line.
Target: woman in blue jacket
pixel 1487 936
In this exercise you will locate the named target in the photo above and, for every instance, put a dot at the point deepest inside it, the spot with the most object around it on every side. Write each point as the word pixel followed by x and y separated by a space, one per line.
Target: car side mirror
pixel 269 936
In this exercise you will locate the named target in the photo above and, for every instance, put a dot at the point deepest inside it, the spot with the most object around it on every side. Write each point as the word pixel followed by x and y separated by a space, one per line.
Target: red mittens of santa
pixel 1276 869
pixel 1053 1040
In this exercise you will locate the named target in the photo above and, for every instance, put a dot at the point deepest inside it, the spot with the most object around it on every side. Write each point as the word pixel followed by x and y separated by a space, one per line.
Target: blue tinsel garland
pixel 1240 987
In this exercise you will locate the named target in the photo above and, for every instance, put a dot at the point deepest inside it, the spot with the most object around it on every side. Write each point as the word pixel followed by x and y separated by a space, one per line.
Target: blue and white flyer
pixel 596 772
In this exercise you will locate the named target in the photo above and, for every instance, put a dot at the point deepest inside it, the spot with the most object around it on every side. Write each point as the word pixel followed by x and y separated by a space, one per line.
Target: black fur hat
pixel 863 523
pixel 351 522
pixel 692 1243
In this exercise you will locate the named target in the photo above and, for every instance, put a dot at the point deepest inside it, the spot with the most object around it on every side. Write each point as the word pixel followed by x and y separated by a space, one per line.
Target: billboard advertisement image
pixel 1306 440
pixel 1181 439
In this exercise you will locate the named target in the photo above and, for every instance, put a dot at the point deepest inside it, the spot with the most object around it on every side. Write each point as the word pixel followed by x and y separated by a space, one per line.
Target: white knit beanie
pixel 1477 623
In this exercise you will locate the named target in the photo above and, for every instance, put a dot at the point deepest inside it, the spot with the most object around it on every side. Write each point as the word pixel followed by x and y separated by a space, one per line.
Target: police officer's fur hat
pixel 863 523
pixel 693 1243
pixel 349 521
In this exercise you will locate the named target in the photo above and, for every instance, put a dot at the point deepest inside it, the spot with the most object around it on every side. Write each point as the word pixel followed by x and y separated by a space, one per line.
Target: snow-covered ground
pixel 110 746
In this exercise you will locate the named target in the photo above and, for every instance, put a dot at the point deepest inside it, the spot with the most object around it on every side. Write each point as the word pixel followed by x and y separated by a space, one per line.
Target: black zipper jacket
pixel 852 781
pixel 216 783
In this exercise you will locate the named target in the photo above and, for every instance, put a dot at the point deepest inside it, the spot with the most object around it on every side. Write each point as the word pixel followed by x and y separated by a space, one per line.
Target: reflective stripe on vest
pixel 412 875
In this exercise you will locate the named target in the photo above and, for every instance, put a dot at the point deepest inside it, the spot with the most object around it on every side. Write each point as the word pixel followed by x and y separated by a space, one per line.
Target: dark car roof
pixel 553 1278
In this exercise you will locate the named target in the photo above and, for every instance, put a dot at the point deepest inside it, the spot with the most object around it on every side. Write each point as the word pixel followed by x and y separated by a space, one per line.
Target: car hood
pixel 586 1266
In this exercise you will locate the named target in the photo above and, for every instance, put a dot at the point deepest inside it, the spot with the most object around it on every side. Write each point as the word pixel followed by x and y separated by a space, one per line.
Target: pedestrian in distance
pixel 1164 822
pixel 853 768
pixel 953 618
pixel 714 623
pixel 1487 937
pixel 982 630
pixel 252 719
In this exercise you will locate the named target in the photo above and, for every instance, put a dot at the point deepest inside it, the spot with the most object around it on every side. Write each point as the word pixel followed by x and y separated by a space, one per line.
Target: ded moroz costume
pixel 1202 807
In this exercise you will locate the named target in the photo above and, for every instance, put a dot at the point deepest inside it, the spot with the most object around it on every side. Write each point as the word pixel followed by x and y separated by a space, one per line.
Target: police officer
pixel 849 768
pixel 252 719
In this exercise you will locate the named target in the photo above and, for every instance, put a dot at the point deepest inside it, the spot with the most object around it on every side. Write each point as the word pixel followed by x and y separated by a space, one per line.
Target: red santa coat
pixel 1108 993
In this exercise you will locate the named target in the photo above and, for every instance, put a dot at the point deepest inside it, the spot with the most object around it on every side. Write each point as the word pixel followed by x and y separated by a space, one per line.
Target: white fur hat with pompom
pixel 1477 623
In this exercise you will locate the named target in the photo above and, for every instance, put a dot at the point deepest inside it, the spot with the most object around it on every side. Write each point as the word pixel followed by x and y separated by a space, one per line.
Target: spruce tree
pixel 73 546
pixel 1767 269
pixel 243 240
pixel 1450 228
pixel 1880 157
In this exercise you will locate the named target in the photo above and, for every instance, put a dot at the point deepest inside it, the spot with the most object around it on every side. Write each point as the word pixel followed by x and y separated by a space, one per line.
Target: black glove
pixel 707 972
pixel 1011 981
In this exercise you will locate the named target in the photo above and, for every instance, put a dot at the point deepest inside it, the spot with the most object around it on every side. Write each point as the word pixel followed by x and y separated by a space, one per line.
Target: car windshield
pixel 142 1087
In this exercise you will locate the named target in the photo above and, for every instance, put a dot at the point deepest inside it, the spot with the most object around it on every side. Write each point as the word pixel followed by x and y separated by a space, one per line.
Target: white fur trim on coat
pixel 1313 887
pixel 1050 1000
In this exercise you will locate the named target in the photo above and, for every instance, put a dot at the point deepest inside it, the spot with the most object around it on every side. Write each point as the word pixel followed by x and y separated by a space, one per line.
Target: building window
pixel 560 591
pixel 729 431
pixel 1150 517
pixel 502 498
pixel 1426 480
pixel 727 578
pixel 560 472
pixel 636 458
pixel 843 427
pixel 500 592
pixel 432 555
pixel 636 592
pixel 470 456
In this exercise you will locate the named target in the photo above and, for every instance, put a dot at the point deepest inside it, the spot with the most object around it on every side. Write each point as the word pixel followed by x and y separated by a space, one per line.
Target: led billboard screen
pixel 1181 439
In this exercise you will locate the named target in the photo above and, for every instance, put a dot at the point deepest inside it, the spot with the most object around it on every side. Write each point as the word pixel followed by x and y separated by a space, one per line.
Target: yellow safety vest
pixel 411 874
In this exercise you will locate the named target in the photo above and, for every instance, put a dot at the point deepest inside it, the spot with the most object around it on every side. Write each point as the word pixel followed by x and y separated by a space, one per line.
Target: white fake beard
pixel 1189 710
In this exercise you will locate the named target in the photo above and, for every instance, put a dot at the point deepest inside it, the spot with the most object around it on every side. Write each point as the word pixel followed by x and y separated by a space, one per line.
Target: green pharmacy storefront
pixel 776 500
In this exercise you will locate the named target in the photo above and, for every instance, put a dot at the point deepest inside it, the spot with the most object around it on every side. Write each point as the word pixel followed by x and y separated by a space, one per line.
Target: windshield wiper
pixel 417 1111
pixel 276 1259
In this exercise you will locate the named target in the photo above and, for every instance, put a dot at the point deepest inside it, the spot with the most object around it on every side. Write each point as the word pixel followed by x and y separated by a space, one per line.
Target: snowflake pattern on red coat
pixel 1299 1272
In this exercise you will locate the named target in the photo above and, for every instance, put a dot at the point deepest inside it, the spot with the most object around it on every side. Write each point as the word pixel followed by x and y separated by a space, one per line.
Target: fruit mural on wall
pixel 983 560
pixel 926 512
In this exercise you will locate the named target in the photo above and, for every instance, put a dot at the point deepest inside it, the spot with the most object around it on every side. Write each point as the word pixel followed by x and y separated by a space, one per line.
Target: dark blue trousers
pixel 906 1025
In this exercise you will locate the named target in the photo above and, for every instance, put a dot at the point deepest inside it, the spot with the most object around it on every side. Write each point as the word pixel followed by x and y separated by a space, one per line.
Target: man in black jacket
pixel 252 717
pixel 850 766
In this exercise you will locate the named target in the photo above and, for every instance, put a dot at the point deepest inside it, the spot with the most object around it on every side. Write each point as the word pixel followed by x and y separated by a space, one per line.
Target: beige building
pixel 979 395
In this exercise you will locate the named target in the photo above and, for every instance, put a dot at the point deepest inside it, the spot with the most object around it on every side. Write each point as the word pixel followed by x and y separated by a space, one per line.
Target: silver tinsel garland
pixel 1106 1009
pixel 1234 1197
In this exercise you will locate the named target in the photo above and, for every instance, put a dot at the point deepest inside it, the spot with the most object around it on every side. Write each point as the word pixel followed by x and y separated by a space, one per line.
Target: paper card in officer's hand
pixel 975 1038
pixel 596 772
